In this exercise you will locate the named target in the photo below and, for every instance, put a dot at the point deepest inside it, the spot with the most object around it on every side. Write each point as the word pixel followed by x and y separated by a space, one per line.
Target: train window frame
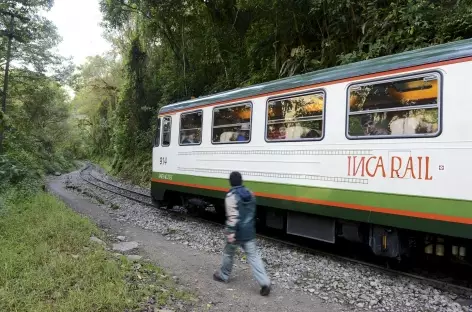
pixel 180 128
pixel 170 131
pixel 297 94
pixel 398 78
pixel 157 138
pixel 250 103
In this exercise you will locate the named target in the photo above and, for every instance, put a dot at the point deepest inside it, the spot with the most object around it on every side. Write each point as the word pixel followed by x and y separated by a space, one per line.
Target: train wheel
pixel 190 208
pixel 162 204
pixel 156 202
pixel 220 211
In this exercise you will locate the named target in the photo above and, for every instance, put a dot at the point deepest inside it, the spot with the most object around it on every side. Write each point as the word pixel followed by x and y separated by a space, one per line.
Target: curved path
pixel 194 269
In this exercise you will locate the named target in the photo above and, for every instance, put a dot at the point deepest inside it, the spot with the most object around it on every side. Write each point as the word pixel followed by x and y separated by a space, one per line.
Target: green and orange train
pixel 376 152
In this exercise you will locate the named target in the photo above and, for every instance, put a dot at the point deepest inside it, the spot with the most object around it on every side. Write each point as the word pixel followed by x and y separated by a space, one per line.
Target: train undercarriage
pixel 393 244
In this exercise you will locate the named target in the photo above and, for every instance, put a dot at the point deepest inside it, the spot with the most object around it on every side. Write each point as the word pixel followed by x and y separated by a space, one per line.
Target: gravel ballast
pixel 356 286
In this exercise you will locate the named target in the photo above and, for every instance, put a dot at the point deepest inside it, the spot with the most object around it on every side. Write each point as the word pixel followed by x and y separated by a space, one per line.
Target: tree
pixel 175 50
pixel 39 130
pixel 35 37
pixel 97 86
pixel 31 38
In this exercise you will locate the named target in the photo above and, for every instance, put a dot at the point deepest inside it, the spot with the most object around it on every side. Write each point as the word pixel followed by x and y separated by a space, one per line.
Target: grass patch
pixel 48 263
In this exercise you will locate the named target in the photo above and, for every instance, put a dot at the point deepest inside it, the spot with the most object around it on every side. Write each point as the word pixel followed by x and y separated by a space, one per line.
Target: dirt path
pixel 194 269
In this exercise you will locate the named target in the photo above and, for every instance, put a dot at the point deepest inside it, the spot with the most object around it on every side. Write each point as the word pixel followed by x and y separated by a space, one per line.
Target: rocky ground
pixel 334 282
pixel 159 290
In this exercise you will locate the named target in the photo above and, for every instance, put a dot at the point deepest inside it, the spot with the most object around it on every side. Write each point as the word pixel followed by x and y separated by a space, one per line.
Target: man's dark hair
pixel 235 179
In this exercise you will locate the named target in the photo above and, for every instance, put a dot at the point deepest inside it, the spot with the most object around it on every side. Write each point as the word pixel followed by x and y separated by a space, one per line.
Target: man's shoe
pixel 265 290
pixel 218 278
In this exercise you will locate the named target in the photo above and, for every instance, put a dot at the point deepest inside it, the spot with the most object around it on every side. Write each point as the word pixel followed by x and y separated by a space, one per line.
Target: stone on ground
pixel 125 246
pixel 134 257
pixel 97 240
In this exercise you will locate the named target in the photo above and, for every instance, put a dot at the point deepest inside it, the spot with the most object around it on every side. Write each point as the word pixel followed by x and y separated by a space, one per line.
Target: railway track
pixel 146 200
pixel 123 192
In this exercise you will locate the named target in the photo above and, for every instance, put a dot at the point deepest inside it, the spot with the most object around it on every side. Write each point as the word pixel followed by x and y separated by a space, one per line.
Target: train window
pixel 232 124
pixel 402 107
pixel 158 133
pixel 191 128
pixel 166 130
pixel 295 118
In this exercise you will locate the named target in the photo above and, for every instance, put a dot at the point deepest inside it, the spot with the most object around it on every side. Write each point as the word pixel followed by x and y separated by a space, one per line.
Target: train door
pixel 160 153
pixel 157 138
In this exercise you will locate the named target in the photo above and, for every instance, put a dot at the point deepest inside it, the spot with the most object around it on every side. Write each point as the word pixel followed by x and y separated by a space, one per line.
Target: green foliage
pixel 40 134
pixel 95 103
pixel 171 51
pixel 50 264
pixel 10 172
pixel 42 137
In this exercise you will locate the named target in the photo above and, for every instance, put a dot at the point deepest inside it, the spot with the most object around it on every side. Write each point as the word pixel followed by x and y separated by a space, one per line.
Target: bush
pixel 11 172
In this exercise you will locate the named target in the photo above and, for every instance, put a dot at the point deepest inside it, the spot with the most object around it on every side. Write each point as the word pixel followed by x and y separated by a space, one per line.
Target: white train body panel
pixel 444 169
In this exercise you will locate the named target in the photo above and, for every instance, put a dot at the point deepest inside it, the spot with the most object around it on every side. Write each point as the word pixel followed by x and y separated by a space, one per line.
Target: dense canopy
pixel 169 51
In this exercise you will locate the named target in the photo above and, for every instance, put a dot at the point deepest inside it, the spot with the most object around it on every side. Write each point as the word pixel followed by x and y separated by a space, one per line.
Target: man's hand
pixel 230 238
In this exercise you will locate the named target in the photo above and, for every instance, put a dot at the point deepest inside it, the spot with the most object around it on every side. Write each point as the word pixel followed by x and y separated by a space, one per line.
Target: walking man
pixel 240 230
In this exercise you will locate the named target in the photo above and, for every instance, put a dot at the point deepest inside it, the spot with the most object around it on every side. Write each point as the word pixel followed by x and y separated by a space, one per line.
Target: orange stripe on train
pixel 404 213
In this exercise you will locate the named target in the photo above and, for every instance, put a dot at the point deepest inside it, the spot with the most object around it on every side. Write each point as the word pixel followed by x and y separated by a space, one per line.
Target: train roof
pixel 432 54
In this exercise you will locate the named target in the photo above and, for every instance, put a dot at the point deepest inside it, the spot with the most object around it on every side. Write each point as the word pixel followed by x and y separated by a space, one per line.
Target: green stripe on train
pixel 416 224
pixel 446 207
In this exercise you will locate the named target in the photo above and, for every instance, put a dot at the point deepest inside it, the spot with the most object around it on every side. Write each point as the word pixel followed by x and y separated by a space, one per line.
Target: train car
pixel 376 152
